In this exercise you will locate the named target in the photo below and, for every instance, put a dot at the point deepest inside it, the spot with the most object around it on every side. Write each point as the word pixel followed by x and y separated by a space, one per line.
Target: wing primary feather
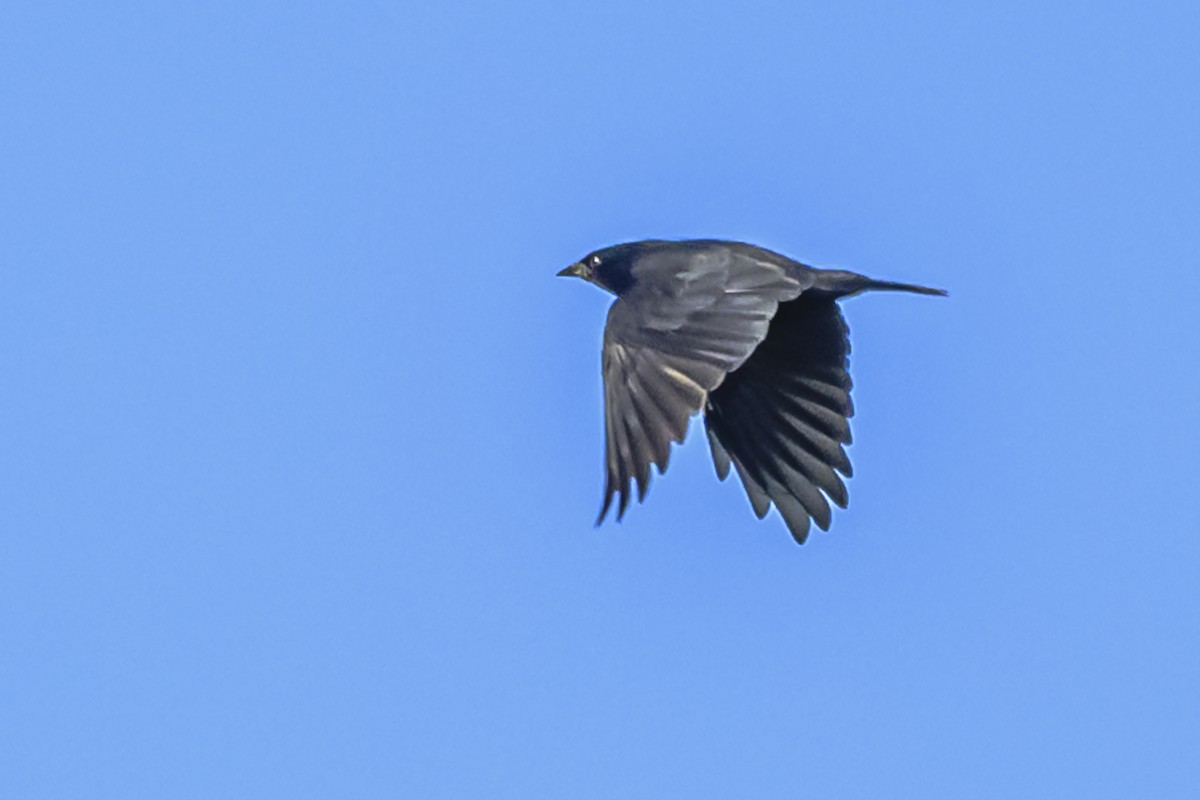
pixel 800 456
pixel 794 516
pixel 817 472
pixel 758 497
pixel 624 459
pixel 817 417
pixel 620 452
pixel 608 496
pixel 671 408
pixel 719 454
pixel 816 442
pixel 834 398
pixel 655 427
pixel 640 450
pixel 749 445
pixel 750 461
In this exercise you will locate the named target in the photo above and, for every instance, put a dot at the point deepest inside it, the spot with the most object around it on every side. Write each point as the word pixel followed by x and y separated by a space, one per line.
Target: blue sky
pixel 302 440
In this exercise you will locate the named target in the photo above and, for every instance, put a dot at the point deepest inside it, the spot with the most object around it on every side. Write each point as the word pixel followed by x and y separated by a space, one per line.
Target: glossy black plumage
pixel 751 338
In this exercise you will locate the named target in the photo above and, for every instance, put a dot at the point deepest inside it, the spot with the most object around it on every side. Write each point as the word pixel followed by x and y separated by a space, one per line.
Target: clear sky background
pixel 301 439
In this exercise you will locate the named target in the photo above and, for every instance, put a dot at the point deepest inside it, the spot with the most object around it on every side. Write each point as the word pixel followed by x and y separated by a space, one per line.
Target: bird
pixel 753 340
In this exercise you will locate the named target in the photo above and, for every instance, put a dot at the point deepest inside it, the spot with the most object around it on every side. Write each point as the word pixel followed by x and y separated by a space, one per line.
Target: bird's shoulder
pixel 676 281
pixel 684 262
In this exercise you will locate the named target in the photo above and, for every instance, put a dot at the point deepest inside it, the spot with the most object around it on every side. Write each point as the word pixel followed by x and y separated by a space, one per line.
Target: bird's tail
pixel 844 283
pixel 892 286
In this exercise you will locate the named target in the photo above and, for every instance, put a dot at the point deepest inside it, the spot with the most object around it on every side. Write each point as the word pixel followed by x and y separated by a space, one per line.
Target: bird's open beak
pixel 576 270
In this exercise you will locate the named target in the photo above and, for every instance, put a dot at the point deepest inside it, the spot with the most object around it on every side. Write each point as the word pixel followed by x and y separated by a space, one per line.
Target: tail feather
pixel 892 286
pixel 843 284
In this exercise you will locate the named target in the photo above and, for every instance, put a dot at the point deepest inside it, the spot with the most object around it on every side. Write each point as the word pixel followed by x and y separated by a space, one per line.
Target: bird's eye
pixel 594 262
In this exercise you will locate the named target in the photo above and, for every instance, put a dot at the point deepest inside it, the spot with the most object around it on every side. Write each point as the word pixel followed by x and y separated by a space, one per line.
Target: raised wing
pixel 781 418
pixel 670 341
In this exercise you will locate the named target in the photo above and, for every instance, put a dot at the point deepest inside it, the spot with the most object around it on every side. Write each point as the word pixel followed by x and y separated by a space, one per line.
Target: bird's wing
pixel 669 341
pixel 783 417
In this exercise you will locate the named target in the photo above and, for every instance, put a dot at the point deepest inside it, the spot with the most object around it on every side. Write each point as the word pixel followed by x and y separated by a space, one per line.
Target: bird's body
pixel 753 339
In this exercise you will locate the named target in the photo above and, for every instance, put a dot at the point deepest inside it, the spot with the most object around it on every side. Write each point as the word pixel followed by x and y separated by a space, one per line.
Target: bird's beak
pixel 576 270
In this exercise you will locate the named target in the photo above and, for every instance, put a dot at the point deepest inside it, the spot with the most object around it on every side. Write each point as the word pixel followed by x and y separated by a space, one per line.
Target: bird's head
pixel 610 268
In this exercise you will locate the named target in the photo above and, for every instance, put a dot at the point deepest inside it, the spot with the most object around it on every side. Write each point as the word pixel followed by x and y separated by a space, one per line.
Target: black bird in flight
pixel 753 339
